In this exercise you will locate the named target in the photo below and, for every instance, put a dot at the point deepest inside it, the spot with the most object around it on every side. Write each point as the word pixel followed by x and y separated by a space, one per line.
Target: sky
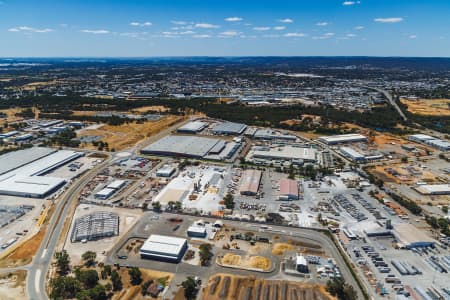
pixel 133 28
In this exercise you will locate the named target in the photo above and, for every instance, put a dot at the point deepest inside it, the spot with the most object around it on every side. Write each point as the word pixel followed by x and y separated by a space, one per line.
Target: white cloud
pixel 178 22
pixel 229 33
pixel 201 36
pixel 287 20
pixel 206 25
pixel 271 36
pixel 388 20
pixel 233 19
pixel 359 27
pixel 295 34
pixel 261 28
pixel 30 29
pixel 324 36
pixel 95 31
pixel 279 28
pixel 413 36
pixel 141 24
pixel 348 3
pixel 322 24
pixel 350 35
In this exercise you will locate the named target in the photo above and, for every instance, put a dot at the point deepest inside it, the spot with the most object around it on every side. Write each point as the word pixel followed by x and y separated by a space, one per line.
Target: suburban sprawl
pixel 225 179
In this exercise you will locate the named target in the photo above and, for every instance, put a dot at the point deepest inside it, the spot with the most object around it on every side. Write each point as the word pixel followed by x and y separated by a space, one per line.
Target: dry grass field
pixel 428 107
pixel 127 135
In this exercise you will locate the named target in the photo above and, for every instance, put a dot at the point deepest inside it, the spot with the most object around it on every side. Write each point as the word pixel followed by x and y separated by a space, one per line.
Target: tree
pixel 404 159
pixel 98 292
pixel 205 253
pixel 156 206
pixel 89 258
pixel 64 287
pixel 190 288
pixel 228 201
pixel 343 291
pixel 116 281
pixel 135 276
pixel 88 278
pixel 62 262
pixel 145 286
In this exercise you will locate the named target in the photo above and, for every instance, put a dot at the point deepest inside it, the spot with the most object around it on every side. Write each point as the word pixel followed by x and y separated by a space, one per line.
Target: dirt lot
pixel 12 286
pixel 144 109
pixel 127 135
pixel 25 252
pixel 130 292
pixel 254 262
pixel 230 287
pixel 429 107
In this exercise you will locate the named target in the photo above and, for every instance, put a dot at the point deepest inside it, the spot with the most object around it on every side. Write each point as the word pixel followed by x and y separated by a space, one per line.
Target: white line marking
pixel 43 253
pixel 36 283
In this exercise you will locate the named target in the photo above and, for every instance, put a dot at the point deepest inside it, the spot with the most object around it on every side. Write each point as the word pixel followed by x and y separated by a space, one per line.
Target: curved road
pixel 36 278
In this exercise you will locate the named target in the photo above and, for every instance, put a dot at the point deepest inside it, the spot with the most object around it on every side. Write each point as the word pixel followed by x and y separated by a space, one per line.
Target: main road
pixel 390 99
pixel 37 275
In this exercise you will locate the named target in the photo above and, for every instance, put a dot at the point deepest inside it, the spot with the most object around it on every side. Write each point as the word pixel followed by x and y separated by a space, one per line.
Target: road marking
pixel 36 283
pixel 43 253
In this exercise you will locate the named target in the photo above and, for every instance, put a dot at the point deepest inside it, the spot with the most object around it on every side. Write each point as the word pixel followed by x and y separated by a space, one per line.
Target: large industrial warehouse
pixel 193 127
pixel 409 237
pixel 343 138
pixel 166 248
pixel 250 182
pixel 291 153
pixel 188 146
pixel 21 172
pixel 288 189
pixel 229 128
pixel 95 226
pixel 433 189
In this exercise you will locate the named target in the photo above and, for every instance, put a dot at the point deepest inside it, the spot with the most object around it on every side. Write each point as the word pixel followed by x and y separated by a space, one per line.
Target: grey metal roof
pixel 182 145
pixel 230 128
pixel 16 159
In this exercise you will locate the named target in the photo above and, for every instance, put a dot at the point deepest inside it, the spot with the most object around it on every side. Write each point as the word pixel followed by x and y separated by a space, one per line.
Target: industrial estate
pixel 145 197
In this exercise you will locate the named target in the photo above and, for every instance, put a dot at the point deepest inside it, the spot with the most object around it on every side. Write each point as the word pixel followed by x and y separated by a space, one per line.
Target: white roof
pixel 185 145
pixel 193 126
pixel 343 138
pixel 163 244
pixel 35 185
pixel 421 137
pixel 287 152
pixel 197 229
pixel 301 260
pixel 351 152
pixel 116 184
pixel 105 192
pixel 434 188
pixel 408 234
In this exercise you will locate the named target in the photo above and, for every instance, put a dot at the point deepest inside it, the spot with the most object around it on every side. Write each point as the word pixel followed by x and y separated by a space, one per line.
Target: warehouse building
pixel 250 182
pixel 288 189
pixel 292 153
pixel 433 189
pixel 105 193
pixel 301 264
pixel 409 237
pixel 196 231
pixel 439 144
pixel 343 138
pixel 352 154
pixel 229 128
pixel 21 172
pixel 269 134
pixel 184 146
pixel 166 171
pixel 95 226
pixel 117 184
pixel 193 127
pixel 165 248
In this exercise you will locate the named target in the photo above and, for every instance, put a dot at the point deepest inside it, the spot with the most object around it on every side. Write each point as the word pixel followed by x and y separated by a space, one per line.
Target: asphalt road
pixel 391 101
pixel 37 275
pixel 183 270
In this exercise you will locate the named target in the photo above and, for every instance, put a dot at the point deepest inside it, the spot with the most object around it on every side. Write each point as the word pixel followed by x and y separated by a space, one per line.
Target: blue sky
pixel 100 28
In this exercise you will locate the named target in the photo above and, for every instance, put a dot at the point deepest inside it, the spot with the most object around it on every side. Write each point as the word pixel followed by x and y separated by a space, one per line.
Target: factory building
pixel 184 146
pixel 342 138
pixel 229 128
pixel 166 171
pixel 433 189
pixel 288 189
pixel 196 231
pixel 105 193
pixel 409 237
pixel 250 182
pixel 165 248
pixel 269 134
pixel 192 127
pixel 95 226
pixel 301 264
pixel 291 153
pixel 117 184
pixel 352 154
pixel 431 141
pixel 21 172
